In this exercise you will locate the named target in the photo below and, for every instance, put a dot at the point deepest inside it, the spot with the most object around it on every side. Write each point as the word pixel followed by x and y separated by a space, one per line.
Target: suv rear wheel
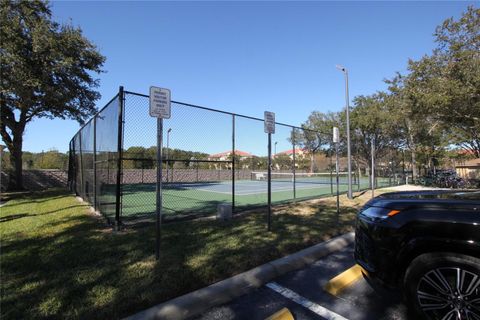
pixel 444 286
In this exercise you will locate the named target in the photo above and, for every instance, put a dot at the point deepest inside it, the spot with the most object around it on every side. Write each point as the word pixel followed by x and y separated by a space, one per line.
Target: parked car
pixel 427 244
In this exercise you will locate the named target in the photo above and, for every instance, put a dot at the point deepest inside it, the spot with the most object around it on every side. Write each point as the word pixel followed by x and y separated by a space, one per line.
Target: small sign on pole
pixel 160 103
pixel 336 135
pixel 269 122
pixel 160 109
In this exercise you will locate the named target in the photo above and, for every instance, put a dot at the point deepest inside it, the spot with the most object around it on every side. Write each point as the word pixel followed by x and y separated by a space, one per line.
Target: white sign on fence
pixel 160 103
pixel 269 122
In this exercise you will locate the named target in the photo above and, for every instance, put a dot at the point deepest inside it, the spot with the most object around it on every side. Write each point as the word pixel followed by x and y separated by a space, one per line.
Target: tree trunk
pixel 311 162
pixel 413 147
pixel 16 176
pixel 414 165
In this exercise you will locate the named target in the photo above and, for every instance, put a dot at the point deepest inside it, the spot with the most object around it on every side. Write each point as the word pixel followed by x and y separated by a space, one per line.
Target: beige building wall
pixel 469 170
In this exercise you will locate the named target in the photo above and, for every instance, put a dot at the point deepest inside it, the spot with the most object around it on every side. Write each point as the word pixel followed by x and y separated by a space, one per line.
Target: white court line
pixel 304 302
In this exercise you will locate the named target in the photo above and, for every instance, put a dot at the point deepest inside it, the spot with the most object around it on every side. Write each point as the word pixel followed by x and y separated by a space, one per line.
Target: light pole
pixel 168 142
pixel 336 140
pixel 349 156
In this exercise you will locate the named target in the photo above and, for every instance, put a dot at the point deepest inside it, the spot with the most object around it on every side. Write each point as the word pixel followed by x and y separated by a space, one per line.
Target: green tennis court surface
pixel 203 197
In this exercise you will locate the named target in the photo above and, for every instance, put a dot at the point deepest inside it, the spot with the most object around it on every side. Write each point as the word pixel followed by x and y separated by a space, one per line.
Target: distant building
pixel 469 169
pixel 298 153
pixel 225 156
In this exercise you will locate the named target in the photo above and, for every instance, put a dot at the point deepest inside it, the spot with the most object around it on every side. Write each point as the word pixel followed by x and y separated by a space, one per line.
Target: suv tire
pixel 443 286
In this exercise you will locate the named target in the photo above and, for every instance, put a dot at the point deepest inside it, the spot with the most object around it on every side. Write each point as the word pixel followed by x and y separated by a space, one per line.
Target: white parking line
pixel 304 302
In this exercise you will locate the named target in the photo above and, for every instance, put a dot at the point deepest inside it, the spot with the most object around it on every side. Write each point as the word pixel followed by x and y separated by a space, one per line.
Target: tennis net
pixel 317 177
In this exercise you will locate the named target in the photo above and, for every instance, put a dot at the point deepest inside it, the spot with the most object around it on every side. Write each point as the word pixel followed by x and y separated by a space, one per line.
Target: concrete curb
pixel 201 300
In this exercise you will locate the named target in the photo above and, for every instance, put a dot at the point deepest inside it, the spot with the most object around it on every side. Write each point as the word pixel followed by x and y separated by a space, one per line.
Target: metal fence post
pixel 331 172
pixel 337 169
pixel 72 167
pixel 82 187
pixel 294 169
pixel 119 157
pixel 233 163
pixel 359 178
pixel 197 167
pixel 95 163
pixel 373 167
pixel 108 167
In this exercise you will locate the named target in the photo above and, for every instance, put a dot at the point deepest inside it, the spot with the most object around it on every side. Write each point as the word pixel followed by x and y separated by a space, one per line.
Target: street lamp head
pixel 169 130
pixel 341 68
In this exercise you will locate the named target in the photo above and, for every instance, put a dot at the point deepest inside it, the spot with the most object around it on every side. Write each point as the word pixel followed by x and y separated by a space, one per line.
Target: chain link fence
pixel 94 161
pixel 210 157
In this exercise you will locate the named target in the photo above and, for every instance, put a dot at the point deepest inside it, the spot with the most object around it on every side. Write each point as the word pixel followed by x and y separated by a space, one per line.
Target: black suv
pixel 428 244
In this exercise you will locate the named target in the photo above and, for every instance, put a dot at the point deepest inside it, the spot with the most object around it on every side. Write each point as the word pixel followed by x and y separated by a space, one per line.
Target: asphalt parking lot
pixel 303 293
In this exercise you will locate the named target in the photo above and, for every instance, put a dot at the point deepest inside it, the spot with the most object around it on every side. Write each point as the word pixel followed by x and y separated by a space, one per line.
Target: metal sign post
pixel 373 168
pixel 159 108
pixel 336 141
pixel 159 185
pixel 269 127
pixel 269 191
pixel 293 167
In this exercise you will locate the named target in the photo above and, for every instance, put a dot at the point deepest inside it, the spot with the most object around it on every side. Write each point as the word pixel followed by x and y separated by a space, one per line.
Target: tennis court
pixel 204 197
pixel 209 157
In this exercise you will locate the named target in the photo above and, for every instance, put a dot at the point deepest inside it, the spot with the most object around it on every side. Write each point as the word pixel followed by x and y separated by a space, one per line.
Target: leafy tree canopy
pixel 46 72
pixel 446 84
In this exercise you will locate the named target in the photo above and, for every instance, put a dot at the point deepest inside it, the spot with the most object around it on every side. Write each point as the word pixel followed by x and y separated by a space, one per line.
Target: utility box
pixel 224 211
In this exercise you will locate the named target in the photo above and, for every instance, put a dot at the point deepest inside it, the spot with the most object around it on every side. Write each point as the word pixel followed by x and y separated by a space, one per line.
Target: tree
pixel 283 161
pixel 137 158
pixel 318 133
pixel 447 82
pixel 45 73
pixel 373 123
pixel 51 160
pixel 420 131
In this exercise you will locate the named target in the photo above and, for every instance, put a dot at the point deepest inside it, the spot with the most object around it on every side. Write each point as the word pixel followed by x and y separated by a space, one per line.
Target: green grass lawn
pixel 59 261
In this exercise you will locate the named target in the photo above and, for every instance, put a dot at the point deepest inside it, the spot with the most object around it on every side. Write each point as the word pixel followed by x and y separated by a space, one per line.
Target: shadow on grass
pixel 360 194
pixel 36 196
pixel 24 215
pixel 13 217
pixel 85 271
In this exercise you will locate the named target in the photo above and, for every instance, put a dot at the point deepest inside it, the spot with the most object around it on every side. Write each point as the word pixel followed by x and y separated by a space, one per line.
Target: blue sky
pixel 247 57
